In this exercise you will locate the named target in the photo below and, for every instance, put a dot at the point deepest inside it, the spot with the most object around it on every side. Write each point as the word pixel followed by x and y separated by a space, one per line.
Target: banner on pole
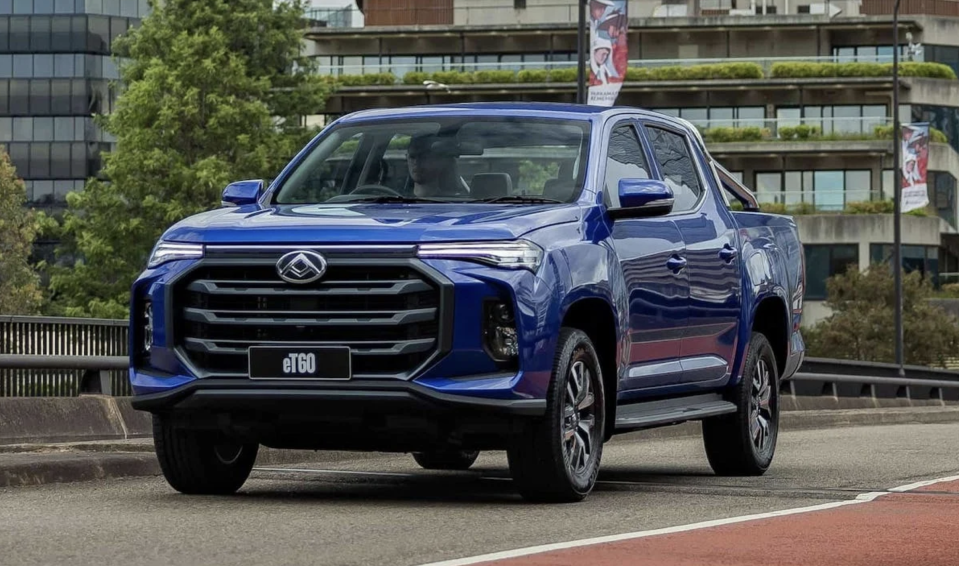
pixel 915 160
pixel 608 50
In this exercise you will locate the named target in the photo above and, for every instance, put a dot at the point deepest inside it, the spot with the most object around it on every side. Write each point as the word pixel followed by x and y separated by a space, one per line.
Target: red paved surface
pixel 915 528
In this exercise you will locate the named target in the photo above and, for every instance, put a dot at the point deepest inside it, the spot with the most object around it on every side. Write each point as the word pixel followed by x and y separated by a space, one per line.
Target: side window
pixel 679 171
pixel 624 160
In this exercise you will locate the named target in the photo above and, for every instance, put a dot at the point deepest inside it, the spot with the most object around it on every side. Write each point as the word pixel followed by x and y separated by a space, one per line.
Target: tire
pixel 556 458
pixel 201 462
pixel 446 459
pixel 743 443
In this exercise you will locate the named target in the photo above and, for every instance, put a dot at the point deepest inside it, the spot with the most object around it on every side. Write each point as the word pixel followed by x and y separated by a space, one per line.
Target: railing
pixel 400 69
pixel 53 339
pixel 808 128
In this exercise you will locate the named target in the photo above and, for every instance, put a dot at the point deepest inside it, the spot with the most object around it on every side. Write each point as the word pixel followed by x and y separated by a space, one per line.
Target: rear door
pixel 712 256
pixel 650 251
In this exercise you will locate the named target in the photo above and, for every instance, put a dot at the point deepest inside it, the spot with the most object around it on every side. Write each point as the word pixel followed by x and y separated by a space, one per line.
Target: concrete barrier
pixel 29 420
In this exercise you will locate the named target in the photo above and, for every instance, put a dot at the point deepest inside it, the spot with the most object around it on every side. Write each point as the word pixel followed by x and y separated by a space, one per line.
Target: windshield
pixel 456 159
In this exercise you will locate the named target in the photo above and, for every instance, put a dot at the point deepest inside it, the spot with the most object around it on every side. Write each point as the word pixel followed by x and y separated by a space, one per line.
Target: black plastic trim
pixel 226 394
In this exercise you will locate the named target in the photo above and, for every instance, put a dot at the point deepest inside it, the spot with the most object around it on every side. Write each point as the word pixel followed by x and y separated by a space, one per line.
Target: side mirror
pixel 643 198
pixel 242 193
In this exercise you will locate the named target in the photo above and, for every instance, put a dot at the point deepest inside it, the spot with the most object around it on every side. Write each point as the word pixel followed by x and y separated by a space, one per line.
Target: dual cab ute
pixel 450 279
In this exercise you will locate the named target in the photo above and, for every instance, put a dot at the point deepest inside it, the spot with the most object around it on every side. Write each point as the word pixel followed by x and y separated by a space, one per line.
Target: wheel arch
pixel 595 316
pixel 771 319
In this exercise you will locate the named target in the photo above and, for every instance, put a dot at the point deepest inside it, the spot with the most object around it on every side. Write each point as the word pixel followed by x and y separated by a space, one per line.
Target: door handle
pixel 676 263
pixel 728 253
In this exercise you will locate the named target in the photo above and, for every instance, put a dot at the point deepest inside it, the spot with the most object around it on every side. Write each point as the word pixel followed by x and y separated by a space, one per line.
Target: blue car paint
pixel 676 332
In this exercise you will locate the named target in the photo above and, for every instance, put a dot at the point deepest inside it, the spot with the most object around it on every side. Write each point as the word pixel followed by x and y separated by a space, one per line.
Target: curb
pixel 39 465
pixel 26 420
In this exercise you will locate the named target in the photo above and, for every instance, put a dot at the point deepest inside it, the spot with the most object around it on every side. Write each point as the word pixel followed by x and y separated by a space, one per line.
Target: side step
pixel 671 411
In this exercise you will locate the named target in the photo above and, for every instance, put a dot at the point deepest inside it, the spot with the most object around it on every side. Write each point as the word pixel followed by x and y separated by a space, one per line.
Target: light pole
pixel 581 53
pixel 897 190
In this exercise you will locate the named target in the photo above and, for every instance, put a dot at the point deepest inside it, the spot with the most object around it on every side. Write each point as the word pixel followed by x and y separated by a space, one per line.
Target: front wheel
pixel 200 462
pixel 556 458
pixel 743 443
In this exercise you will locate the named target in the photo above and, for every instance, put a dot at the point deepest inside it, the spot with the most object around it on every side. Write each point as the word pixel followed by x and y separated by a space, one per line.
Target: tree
pixel 19 284
pixel 214 91
pixel 861 326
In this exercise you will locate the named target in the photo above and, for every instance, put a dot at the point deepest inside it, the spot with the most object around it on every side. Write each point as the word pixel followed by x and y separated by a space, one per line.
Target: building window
pixel 870 54
pixel 715 117
pixel 824 261
pixel 519 4
pixel 826 190
pixel 844 119
pixel 924 259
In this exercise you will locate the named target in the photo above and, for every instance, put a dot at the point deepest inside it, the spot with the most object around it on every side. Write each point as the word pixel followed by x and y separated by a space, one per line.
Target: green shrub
pixel 861 324
pixel 726 134
pixel 798 70
pixel 925 70
pixel 917 212
pixel 802 208
pixel 772 207
pixel 532 76
pixel 566 75
pixel 800 132
pixel 870 207
pixel 494 77
pixel 367 79
pixel 415 78
pixel 885 133
pixel 695 72
pixel 452 77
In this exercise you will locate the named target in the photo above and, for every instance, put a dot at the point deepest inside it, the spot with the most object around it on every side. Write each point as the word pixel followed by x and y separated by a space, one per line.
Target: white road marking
pixel 351 472
pixel 861 498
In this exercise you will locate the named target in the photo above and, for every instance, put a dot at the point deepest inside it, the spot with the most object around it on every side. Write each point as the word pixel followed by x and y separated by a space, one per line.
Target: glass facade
pixel 837 119
pixel 924 259
pixel 55 75
pixel 399 65
pixel 824 261
pixel 716 117
pixel 826 190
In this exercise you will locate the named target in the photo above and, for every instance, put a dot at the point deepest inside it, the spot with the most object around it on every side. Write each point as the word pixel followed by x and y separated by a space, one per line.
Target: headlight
pixel 520 254
pixel 171 251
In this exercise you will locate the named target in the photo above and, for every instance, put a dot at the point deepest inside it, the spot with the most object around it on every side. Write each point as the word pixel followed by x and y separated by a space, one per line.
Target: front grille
pixel 387 314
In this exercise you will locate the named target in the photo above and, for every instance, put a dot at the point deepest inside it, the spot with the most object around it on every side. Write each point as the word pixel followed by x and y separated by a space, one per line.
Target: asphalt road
pixel 400 515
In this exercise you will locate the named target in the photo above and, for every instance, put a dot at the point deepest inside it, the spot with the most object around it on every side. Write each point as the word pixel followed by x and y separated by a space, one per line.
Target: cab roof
pixel 532 109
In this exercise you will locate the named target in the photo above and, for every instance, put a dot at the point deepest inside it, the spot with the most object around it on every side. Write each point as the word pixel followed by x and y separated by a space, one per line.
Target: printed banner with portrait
pixel 608 50
pixel 915 160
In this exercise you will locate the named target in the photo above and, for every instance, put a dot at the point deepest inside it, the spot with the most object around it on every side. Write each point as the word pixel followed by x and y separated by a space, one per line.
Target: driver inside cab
pixel 432 164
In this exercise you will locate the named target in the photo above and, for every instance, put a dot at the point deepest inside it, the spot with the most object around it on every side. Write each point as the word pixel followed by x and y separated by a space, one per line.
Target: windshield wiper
pixel 519 199
pixel 388 199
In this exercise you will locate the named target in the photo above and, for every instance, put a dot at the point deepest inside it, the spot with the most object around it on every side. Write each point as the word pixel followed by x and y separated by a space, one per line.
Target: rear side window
pixel 624 160
pixel 679 172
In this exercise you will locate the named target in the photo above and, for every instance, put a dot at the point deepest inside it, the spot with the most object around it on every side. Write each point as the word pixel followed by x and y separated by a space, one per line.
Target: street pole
pixel 897 190
pixel 581 53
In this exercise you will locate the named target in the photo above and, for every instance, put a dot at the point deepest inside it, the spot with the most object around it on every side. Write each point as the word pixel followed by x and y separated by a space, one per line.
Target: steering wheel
pixel 374 190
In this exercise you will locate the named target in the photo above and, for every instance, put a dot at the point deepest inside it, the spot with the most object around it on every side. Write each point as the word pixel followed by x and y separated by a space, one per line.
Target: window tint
pixel 624 160
pixel 676 165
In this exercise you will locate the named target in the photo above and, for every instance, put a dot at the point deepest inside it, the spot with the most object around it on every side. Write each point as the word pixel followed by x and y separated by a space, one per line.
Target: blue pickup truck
pixel 445 280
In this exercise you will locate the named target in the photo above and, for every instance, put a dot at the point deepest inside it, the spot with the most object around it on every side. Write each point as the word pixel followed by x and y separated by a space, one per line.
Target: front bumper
pixel 326 398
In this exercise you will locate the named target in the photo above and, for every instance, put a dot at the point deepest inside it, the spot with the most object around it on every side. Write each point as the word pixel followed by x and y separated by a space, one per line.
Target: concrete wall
pixel 863 229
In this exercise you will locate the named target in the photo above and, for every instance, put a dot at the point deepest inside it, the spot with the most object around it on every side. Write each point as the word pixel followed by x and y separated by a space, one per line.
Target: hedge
pixel 366 79
pixel 695 72
pixel 885 133
pixel 794 70
pixel 728 134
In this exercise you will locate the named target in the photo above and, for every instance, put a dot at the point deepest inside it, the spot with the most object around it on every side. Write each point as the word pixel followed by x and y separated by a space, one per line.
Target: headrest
pixel 491 185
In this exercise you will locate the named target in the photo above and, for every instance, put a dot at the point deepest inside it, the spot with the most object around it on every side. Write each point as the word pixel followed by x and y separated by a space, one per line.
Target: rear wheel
pixel 446 459
pixel 201 462
pixel 743 443
pixel 556 458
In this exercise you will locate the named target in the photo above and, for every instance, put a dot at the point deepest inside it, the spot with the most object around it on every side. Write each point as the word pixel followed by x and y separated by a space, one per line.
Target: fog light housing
pixel 147 327
pixel 499 330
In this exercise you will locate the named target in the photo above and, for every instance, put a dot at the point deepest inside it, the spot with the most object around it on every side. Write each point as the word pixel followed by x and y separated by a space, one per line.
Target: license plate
pixel 290 362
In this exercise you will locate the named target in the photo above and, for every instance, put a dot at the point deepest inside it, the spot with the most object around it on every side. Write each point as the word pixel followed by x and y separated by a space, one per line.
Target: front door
pixel 651 252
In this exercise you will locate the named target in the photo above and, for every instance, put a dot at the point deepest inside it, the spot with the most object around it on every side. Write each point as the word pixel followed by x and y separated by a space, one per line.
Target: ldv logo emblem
pixel 301 267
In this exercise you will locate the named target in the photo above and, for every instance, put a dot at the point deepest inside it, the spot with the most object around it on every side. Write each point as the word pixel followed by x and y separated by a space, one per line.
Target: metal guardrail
pixel 62 340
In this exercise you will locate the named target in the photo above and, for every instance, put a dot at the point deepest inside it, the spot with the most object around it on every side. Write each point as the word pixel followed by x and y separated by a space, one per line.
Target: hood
pixel 368 223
